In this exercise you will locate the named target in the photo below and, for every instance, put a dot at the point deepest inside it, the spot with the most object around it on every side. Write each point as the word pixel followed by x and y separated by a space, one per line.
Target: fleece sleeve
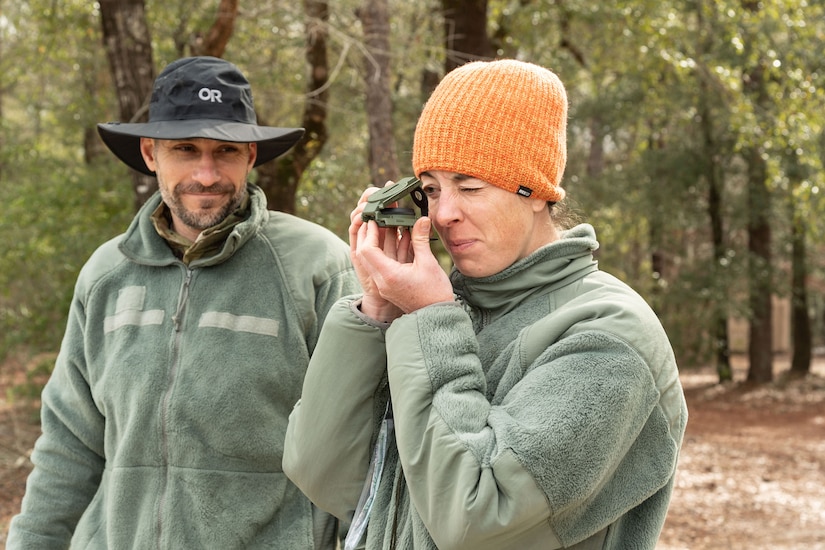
pixel 68 456
pixel 332 427
pixel 545 465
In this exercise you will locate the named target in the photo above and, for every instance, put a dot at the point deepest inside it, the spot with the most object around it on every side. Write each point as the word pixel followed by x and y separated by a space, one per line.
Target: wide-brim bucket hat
pixel 199 97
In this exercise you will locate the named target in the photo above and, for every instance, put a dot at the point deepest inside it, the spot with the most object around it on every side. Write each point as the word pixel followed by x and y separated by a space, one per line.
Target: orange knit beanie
pixel 503 122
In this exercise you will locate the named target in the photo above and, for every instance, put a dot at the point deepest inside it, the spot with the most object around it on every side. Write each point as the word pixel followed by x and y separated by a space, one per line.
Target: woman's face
pixel 483 227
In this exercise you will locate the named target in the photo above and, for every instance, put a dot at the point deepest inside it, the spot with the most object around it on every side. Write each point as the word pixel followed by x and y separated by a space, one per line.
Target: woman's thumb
pixel 421 232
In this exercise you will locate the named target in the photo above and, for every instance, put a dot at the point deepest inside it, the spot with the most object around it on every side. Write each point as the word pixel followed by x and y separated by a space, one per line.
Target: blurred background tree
pixel 696 139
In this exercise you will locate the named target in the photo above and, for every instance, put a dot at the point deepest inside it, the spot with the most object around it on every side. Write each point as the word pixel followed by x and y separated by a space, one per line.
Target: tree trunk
pixel 465 32
pixel 720 334
pixel 279 179
pixel 383 161
pixel 721 338
pixel 760 346
pixel 214 41
pixel 2 102
pixel 801 331
pixel 800 320
pixel 129 50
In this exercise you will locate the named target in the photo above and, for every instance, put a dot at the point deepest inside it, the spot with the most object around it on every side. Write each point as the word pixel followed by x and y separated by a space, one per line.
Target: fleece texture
pixel 542 409
pixel 164 419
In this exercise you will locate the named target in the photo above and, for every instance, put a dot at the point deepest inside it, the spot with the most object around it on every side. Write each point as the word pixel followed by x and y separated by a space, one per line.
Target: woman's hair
pixel 564 216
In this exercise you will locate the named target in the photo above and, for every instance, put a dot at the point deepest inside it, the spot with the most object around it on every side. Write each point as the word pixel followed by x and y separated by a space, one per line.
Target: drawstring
pixel 398 491
pixel 367 499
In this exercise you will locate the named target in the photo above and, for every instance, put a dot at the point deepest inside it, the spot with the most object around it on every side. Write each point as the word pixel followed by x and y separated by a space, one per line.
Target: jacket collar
pixel 550 267
pixel 142 243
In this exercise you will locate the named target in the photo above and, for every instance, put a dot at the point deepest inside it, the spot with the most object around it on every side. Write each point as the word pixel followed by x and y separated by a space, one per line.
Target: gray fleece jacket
pixel 542 410
pixel 164 419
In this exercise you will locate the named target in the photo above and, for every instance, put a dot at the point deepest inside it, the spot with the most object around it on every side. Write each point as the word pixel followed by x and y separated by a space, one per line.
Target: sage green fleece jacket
pixel 163 422
pixel 542 409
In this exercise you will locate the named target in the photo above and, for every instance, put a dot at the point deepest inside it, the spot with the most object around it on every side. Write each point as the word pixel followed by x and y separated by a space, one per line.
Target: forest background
pixel 696 149
pixel 696 136
pixel 696 140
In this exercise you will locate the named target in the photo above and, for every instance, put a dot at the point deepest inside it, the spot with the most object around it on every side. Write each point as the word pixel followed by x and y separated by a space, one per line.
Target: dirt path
pixel 752 469
pixel 751 475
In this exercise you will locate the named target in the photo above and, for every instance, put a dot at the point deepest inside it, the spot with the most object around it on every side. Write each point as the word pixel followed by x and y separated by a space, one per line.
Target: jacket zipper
pixel 177 321
pixel 486 317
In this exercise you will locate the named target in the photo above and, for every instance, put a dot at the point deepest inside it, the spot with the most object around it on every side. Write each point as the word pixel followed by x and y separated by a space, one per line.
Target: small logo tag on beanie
pixel 524 191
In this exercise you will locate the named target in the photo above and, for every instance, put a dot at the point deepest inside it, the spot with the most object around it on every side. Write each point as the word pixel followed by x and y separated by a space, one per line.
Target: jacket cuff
pixel 355 306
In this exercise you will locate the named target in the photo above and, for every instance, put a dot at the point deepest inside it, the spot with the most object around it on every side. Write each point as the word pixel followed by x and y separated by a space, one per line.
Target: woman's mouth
pixel 457 246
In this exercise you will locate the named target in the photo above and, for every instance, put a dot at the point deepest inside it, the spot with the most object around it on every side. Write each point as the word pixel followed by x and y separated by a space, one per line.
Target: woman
pixel 528 400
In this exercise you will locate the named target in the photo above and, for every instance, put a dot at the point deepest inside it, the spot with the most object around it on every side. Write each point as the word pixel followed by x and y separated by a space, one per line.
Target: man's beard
pixel 197 219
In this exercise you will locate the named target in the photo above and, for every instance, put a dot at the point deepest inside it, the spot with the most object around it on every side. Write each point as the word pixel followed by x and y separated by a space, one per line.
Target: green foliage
pixel 55 214
pixel 57 207
pixel 660 87
pixel 37 372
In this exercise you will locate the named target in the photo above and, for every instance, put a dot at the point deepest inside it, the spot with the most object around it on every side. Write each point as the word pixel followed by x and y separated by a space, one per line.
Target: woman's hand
pixel 403 271
pixel 396 267
pixel 387 239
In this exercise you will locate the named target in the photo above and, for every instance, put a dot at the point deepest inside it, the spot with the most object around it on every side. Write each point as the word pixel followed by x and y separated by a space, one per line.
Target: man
pixel 186 345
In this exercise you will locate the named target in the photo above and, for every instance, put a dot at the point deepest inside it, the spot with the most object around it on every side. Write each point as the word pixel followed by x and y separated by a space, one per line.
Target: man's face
pixel 201 180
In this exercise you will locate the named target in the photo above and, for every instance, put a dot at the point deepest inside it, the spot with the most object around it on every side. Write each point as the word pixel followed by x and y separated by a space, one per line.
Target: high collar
pixel 550 267
pixel 144 245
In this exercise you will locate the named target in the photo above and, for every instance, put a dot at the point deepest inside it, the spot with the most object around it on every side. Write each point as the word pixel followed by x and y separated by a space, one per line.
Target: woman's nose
pixel 446 209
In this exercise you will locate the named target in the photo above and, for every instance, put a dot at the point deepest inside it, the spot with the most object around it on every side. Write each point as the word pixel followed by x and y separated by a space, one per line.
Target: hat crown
pixel 502 121
pixel 207 88
pixel 198 98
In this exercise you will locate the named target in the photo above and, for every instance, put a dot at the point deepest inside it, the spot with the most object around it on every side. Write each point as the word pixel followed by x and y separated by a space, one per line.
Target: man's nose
pixel 206 171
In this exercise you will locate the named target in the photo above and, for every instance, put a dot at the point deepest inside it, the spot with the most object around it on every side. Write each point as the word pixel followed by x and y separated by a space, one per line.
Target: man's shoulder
pixel 287 230
pixel 306 254
pixel 104 260
pixel 106 254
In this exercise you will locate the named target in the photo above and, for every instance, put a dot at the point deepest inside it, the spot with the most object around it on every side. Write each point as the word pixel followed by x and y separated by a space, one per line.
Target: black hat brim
pixel 123 139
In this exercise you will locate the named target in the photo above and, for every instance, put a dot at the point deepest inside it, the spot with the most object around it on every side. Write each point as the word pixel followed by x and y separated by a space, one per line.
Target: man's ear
pixel 253 154
pixel 147 150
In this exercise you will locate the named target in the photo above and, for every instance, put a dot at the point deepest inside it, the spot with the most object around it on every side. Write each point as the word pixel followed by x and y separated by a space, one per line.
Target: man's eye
pixel 230 151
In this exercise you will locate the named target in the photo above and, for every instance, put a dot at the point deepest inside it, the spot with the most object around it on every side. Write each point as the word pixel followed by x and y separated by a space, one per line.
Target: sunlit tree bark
pixel 465 32
pixel 280 179
pixel 383 162
pixel 129 50
pixel 213 42
pixel 760 266
pixel 715 180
